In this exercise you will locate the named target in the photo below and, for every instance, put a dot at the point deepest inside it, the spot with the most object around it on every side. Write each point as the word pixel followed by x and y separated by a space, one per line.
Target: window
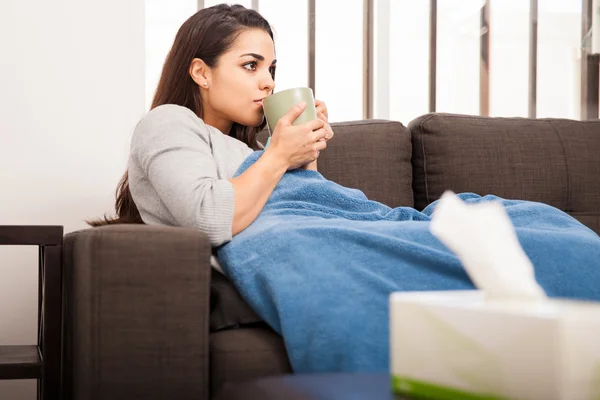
pixel 339 58
pixel 559 59
pixel 408 59
pixel 291 40
pixel 458 56
pixel 401 54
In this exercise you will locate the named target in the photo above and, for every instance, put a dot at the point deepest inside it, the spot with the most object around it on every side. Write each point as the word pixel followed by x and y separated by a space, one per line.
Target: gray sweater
pixel 179 169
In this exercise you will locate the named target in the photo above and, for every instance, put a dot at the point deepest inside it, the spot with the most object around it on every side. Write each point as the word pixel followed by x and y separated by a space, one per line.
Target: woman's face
pixel 242 77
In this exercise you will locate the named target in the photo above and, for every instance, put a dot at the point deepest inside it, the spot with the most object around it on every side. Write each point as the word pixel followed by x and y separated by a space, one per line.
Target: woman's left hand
pixel 323 115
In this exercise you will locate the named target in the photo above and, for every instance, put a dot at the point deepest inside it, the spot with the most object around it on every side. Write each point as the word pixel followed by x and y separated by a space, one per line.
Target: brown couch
pixel 146 317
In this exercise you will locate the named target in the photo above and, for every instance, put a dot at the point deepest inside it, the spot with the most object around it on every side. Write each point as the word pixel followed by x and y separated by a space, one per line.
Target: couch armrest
pixel 136 313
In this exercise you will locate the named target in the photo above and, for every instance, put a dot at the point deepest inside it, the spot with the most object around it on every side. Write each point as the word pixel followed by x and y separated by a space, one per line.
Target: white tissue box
pixel 460 345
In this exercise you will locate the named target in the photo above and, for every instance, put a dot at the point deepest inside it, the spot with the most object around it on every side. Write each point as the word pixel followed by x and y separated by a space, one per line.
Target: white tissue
pixel 484 239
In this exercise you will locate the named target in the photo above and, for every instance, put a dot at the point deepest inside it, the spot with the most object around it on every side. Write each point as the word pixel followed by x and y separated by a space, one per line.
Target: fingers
pixel 321 108
pixel 294 112
pixel 317 138
pixel 323 118
pixel 328 132
pixel 317 147
pixel 319 134
pixel 320 145
pixel 315 124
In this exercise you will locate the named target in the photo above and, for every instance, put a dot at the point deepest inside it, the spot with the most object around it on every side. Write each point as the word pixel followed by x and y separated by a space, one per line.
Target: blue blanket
pixel 319 263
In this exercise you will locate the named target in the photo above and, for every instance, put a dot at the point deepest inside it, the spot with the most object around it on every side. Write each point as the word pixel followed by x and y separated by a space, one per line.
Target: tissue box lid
pixel 476 300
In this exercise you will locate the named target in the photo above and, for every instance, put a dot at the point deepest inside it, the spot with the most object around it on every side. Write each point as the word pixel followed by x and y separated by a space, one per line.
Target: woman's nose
pixel 267 82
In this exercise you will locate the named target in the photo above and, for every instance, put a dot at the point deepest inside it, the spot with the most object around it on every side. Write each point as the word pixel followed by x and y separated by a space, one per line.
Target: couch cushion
pixel 246 353
pixel 227 307
pixel 372 156
pixel 547 160
pixel 581 149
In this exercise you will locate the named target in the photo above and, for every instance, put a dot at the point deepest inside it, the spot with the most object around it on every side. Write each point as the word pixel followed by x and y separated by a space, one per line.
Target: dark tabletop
pixel 312 387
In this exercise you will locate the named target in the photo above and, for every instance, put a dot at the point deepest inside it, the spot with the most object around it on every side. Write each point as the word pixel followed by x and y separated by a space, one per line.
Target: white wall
pixel 71 91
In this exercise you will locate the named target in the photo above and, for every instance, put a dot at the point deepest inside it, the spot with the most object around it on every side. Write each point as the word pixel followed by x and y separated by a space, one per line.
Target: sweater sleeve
pixel 172 147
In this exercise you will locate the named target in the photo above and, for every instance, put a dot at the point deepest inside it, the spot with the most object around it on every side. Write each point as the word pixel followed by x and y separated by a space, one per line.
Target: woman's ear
pixel 200 73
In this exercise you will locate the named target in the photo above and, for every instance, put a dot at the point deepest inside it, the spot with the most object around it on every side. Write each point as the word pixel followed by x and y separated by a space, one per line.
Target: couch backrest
pixel 554 161
pixel 372 156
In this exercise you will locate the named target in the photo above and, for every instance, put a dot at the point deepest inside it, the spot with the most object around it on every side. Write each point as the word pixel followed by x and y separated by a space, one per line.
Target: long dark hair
pixel 206 35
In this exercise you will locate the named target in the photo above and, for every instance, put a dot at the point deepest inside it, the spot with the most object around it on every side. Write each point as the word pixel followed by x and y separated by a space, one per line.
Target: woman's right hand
pixel 297 145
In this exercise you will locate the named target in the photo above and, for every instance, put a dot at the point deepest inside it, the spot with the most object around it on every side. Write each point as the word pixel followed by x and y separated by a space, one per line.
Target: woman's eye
pixel 272 71
pixel 251 66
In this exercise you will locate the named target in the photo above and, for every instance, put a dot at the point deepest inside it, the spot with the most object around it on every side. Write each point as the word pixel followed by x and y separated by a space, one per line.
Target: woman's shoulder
pixel 171 125
pixel 171 115
pixel 169 122
pixel 170 110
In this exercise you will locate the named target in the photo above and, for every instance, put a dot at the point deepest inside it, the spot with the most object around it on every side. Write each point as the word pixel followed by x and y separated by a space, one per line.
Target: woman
pixel 205 117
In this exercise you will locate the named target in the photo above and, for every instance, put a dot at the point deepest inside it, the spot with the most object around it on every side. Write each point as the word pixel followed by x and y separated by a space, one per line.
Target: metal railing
pixel 432 55
pixel 533 45
pixel 589 69
pixel 484 60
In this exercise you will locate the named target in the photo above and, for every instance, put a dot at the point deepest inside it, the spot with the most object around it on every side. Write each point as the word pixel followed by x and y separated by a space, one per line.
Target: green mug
pixel 278 104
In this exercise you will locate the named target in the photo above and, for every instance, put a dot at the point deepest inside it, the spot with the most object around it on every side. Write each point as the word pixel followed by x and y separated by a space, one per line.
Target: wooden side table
pixel 44 360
